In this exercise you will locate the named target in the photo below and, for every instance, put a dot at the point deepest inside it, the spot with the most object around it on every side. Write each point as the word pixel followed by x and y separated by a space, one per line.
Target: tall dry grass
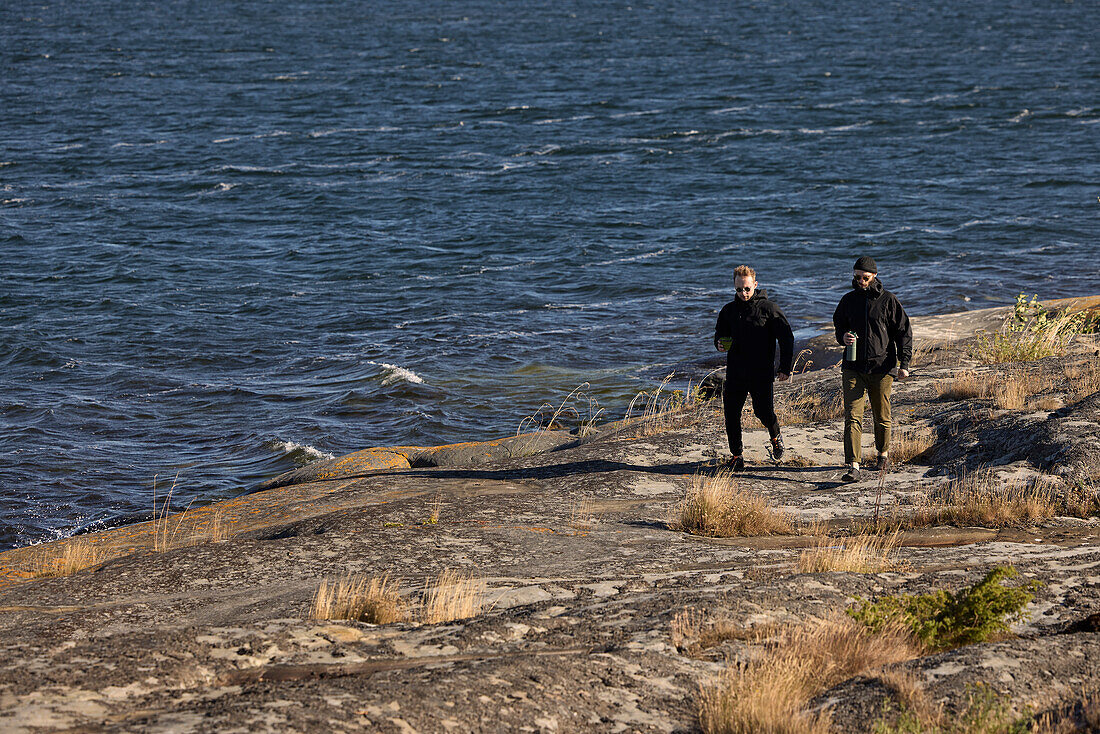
pixel 801 407
pixel 187 528
pixel 663 409
pixel 857 554
pixel 716 507
pixel 579 408
pixel 454 595
pixel 770 693
pixel 909 442
pixel 1081 717
pixel 984 499
pixel 693 631
pixel 963 386
pixel 1081 379
pixel 375 600
pixel 64 558
pixel 1011 391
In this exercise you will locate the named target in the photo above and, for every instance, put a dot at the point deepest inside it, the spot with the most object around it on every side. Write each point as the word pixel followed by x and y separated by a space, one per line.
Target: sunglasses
pixel 744 290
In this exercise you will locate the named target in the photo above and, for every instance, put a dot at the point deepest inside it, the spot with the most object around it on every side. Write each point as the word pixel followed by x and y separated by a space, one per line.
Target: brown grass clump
pixel 963 386
pixel 858 554
pixel 1081 379
pixel 692 631
pixel 1012 391
pixel 1048 403
pixel 795 408
pixel 1082 717
pixel 715 507
pixel 909 442
pixel 984 499
pixel 454 595
pixel 66 557
pixel 770 693
pixel 357 598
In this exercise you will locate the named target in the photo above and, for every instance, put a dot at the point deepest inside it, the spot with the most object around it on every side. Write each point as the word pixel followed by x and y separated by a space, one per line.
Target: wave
pixel 392 373
pixel 300 452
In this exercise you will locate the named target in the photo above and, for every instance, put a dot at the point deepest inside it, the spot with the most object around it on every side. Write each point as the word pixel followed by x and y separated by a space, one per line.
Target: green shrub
pixel 943 620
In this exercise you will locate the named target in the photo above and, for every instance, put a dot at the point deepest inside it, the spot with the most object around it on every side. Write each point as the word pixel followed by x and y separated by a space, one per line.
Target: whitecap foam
pixel 393 373
pixel 290 447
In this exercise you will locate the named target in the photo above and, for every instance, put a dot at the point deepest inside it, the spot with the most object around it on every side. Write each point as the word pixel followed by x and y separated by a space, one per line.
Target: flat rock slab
pixel 583 582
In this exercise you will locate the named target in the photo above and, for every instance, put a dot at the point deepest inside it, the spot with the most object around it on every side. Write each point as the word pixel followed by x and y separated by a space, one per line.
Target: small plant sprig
pixel 1032 332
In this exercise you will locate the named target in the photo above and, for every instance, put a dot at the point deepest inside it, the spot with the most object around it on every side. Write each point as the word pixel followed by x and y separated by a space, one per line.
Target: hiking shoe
pixel 882 463
pixel 736 463
pixel 777 447
pixel 852 475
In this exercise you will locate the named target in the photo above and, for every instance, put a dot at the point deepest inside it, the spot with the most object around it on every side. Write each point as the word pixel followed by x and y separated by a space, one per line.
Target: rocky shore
pixel 202 622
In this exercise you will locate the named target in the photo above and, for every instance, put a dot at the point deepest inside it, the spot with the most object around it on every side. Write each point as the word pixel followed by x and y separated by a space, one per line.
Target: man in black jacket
pixel 871 318
pixel 748 329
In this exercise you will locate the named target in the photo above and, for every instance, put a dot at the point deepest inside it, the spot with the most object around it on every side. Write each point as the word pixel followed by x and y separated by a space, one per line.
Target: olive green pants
pixel 877 388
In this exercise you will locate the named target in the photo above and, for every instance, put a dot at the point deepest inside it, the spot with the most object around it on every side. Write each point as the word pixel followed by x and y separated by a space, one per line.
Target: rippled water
pixel 239 235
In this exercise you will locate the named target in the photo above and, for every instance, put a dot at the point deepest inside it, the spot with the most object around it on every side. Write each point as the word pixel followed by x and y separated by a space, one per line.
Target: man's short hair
pixel 744 271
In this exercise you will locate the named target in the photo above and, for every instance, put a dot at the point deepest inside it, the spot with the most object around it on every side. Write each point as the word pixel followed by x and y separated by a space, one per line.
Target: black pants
pixel 733 400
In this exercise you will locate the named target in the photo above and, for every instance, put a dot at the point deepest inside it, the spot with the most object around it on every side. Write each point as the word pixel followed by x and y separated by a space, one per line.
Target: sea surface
pixel 241 235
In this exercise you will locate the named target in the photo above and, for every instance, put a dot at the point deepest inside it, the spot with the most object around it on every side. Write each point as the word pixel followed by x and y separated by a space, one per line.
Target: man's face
pixel 745 287
pixel 863 279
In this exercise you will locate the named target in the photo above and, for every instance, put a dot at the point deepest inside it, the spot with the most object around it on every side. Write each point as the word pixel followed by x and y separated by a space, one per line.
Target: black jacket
pixel 877 318
pixel 755 326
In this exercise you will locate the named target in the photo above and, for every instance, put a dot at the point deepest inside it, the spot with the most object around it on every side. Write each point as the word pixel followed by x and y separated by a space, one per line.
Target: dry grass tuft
pixel 984 499
pixel 1049 403
pixel 1082 717
pixel 64 558
pixel 187 528
pixel 692 631
pixel 770 693
pixel 799 407
pixel 357 598
pixel 435 507
pixel 715 507
pixel 909 442
pixel 1081 379
pixel 664 409
pixel 454 595
pixel 1012 391
pixel 858 554
pixel 908 690
pixel 963 386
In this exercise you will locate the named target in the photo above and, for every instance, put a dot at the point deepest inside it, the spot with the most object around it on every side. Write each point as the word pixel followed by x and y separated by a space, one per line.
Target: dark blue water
pixel 234 230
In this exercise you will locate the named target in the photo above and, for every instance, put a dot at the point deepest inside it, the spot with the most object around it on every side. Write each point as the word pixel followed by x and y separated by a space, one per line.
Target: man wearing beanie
pixel 873 319
pixel 748 329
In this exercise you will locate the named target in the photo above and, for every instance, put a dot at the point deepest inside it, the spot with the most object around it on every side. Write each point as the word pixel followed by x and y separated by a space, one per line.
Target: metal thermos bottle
pixel 850 350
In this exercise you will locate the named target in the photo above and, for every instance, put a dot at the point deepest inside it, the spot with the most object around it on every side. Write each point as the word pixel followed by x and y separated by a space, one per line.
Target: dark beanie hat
pixel 866 264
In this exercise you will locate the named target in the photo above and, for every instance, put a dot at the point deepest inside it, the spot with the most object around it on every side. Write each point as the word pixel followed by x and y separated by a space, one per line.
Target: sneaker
pixel 777 447
pixel 852 475
pixel 736 463
pixel 882 463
